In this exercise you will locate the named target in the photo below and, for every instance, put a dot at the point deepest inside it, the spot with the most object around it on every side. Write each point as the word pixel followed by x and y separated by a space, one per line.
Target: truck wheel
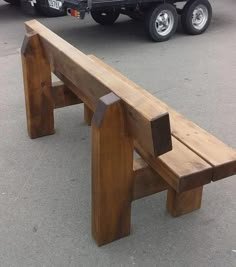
pixel 196 16
pixel 43 8
pixel 161 22
pixel 105 17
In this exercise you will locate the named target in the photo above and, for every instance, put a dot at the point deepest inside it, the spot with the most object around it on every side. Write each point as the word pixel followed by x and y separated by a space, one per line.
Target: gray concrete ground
pixel 45 183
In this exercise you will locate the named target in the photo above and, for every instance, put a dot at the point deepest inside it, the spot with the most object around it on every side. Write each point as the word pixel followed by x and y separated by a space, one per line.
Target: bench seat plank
pixel 208 147
pixel 221 157
pixel 181 168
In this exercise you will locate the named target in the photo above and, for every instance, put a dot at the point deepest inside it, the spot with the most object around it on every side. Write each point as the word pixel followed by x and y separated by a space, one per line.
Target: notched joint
pixel 26 47
pixel 104 103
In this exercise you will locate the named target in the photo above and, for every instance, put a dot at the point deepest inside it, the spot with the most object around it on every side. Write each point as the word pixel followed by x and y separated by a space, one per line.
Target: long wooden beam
pixel 148 123
pixel 221 157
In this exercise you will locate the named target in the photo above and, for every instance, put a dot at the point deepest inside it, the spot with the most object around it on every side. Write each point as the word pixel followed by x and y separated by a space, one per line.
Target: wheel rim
pixel 164 22
pixel 104 14
pixel 200 17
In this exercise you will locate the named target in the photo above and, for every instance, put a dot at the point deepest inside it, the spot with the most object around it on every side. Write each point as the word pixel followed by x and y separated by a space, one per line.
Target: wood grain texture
pixel 112 172
pixel 208 147
pixel 146 181
pixel 37 87
pixel 220 156
pixel 62 96
pixel 185 202
pixel 148 123
pixel 88 115
pixel 180 168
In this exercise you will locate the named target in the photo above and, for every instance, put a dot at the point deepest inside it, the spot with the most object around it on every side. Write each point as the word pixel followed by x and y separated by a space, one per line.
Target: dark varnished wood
pixel 37 86
pixel 112 172
pixel 221 157
pixel 62 96
pixel 185 202
pixel 128 113
pixel 147 122
pixel 181 168
pixel 146 181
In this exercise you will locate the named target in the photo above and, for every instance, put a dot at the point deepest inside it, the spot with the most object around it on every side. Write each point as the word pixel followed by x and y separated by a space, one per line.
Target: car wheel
pixel 105 17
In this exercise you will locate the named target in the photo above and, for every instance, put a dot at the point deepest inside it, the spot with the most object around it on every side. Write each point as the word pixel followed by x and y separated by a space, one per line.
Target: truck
pixel 160 16
pixel 44 7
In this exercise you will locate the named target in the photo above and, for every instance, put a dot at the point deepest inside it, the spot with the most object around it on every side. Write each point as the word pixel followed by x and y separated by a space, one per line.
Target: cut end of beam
pixel 26 45
pixel 103 103
pixel 161 135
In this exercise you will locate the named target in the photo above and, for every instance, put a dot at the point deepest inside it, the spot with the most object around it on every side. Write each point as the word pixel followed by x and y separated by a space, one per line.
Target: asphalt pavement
pixel 45 183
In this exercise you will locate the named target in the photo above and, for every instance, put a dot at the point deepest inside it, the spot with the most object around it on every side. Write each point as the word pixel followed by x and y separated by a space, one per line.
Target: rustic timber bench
pixel 176 154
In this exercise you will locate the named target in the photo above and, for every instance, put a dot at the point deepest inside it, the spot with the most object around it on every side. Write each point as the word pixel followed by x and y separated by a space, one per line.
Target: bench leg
pixel 185 202
pixel 112 172
pixel 88 115
pixel 37 85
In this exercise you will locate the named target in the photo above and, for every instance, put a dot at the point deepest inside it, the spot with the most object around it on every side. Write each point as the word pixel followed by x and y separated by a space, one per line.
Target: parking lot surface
pixel 45 183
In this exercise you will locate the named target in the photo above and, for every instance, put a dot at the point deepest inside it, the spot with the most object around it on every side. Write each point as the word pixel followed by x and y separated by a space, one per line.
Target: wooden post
pixel 112 171
pixel 185 202
pixel 88 115
pixel 37 86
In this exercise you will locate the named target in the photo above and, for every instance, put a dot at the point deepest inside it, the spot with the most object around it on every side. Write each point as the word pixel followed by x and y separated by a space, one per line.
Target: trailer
pixel 160 16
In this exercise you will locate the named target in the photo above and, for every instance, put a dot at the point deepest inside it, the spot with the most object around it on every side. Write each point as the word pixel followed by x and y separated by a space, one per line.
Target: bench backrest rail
pixel 147 122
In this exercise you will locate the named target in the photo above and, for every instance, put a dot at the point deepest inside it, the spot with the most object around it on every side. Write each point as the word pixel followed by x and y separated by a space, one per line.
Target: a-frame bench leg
pixel 112 172
pixel 185 202
pixel 37 85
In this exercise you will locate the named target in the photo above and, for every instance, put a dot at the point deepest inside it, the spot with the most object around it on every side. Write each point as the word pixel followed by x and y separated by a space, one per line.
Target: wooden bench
pixel 123 117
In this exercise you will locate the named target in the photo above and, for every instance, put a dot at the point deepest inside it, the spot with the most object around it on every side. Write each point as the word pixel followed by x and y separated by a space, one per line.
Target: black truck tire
pixel 44 9
pixel 196 16
pixel 13 2
pixel 105 17
pixel 161 22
